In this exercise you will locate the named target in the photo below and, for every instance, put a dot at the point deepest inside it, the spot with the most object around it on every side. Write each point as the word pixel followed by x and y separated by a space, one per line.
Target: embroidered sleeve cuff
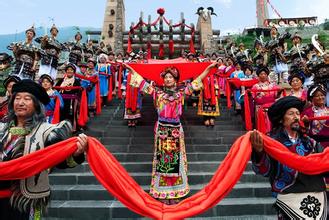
pixel 197 84
pixel 136 80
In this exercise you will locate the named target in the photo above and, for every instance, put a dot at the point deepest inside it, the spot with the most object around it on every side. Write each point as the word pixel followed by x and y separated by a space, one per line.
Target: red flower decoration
pixel 161 11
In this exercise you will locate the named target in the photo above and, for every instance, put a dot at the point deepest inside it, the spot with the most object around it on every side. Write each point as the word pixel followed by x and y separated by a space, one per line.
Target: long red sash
pixel 83 112
pixel 94 80
pixel 118 182
pixel 131 96
pixel 236 83
pixel 247 113
pixel 209 88
pixel 151 71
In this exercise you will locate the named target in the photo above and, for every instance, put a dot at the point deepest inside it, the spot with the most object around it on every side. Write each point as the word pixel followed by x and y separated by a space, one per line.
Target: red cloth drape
pixel 247 112
pixel 83 113
pixel 117 181
pixel 236 83
pixel 209 89
pixel 110 82
pixel 120 81
pixel 57 110
pixel 261 121
pixel 94 80
pixel 151 71
pixel 131 96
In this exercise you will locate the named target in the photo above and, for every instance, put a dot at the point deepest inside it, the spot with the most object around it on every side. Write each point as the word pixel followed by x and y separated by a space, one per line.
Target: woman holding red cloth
pixel 208 105
pixel 71 96
pixel 296 82
pixel 169 172
pixel 263 100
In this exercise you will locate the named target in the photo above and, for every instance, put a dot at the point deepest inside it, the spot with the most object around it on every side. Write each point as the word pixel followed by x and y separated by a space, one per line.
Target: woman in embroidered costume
pixel 27 132
pixel 208 105
pixel 298 195
pixel 169 172
pixel 90 87
pixel 296 82
pixel 71 97
pixel 238 73
pixel 317 129
pixel 47 83
pixel 263 100
pixel 104 73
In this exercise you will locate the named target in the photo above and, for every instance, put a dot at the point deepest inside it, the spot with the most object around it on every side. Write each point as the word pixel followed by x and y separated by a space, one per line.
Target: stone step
pixel 103 210
pixel 147 148
pixel 150 140
pixel 144 178
pixel 138 166
pixel 97 192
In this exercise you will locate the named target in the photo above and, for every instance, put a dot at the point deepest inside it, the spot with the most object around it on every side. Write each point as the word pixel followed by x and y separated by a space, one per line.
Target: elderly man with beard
pixel 298 196
pixel 26 132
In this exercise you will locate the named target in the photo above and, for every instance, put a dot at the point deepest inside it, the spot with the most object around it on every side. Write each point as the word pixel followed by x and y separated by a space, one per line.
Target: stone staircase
pixel 76 194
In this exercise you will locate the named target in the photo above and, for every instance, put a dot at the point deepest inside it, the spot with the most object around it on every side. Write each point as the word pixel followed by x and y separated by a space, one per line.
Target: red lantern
pixel 161 11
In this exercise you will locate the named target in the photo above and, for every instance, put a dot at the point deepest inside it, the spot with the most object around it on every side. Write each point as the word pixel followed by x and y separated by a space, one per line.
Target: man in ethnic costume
pixel 26 132
pixel 52 49
pixel 26 56
pixel 5 70
pixel 298 195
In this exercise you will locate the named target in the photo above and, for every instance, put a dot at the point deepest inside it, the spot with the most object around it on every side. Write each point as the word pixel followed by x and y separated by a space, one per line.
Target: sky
pixel 233 15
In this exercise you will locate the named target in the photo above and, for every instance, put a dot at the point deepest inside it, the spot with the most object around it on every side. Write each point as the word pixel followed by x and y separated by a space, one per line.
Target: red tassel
pixel 261 122
pixel 171 47
pixel 129 49
pixel 149 50
pixel 56 116
pixel 247 113
pixel 83 114
pixel 228 94
pixel 161 51
pixel 109 95
pixel 98 98
pixel 131 96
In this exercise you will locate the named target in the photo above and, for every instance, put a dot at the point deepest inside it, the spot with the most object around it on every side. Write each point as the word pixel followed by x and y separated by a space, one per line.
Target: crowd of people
pixel 277 87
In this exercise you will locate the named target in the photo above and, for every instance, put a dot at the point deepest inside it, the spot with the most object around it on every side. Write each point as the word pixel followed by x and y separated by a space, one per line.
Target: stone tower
pixel 204 27
pixel 262 12
pixel 114 24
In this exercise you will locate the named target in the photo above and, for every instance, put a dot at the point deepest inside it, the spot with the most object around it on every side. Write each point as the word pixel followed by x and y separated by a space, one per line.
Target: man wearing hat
pixel 76 49
pixel 26 132
pixel 52 49
pixel 5 70
pixel 298 195
pixel 26 56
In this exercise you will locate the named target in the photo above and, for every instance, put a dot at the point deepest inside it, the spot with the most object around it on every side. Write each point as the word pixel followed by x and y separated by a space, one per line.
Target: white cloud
pixel 226 3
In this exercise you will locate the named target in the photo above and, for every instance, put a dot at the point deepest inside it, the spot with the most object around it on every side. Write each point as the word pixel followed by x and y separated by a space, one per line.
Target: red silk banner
pixel 56 116
pixel 83 111
pixel 117 181
pixel 247 112
pixel 236 83
pixel 186 70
